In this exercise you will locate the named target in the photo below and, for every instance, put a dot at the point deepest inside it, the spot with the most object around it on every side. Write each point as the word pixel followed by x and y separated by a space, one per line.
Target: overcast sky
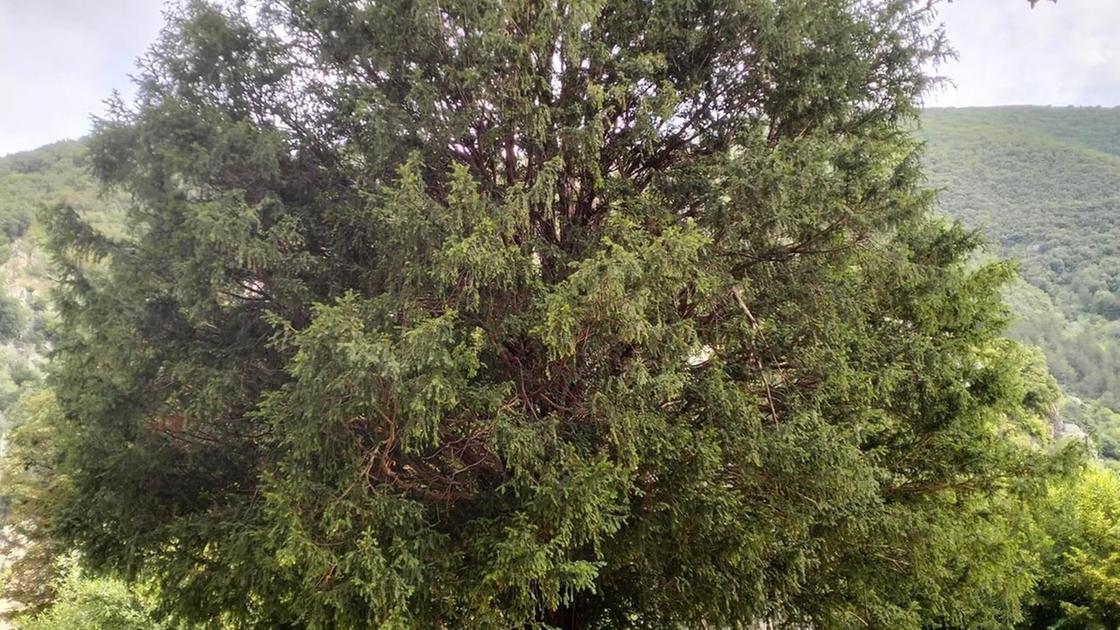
pixel 59 59
pixel 1056 54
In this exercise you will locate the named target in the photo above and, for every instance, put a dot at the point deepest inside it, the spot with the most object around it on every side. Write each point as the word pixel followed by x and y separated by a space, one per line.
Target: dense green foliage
pixel 13 318
pixel 1044 184
pixel 33 488
pixel 93 604
pixel 588 314
pixel 1080 580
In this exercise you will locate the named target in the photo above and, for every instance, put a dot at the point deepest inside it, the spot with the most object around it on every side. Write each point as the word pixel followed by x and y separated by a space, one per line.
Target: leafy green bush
pixel 13 318
pixel 1080 581
pixel 22 372
pixel 85 603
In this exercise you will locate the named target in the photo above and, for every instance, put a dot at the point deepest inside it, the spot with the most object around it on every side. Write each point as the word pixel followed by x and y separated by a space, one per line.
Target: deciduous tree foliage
pixel 576 314
pixel 1080 582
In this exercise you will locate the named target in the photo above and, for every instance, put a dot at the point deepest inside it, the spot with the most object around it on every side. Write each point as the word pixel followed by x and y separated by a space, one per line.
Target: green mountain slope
pixel 30 180
pixel 1044 184
pixel 49 175
pixel 1049 195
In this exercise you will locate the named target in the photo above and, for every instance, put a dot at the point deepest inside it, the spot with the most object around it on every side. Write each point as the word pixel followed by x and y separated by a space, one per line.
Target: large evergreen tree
pixel 540 313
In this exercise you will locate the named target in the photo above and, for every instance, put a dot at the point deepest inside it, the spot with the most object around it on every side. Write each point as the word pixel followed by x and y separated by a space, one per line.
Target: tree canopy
pixel 502 314
pixel 1081 577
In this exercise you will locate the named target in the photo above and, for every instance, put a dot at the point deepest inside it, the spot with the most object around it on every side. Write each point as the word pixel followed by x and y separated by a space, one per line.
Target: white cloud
pixel 60 59
pixel 1056 54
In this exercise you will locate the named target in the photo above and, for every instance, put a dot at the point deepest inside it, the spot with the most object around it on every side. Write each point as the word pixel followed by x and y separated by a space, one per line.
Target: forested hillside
pixel 29 181
pixel 1043 184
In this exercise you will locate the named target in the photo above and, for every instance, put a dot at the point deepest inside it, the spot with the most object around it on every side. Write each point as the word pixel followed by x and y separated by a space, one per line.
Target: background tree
pixel 1080 583
pixel 92 604
pixel 510 314
pixel 33 488
pixel 13 318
